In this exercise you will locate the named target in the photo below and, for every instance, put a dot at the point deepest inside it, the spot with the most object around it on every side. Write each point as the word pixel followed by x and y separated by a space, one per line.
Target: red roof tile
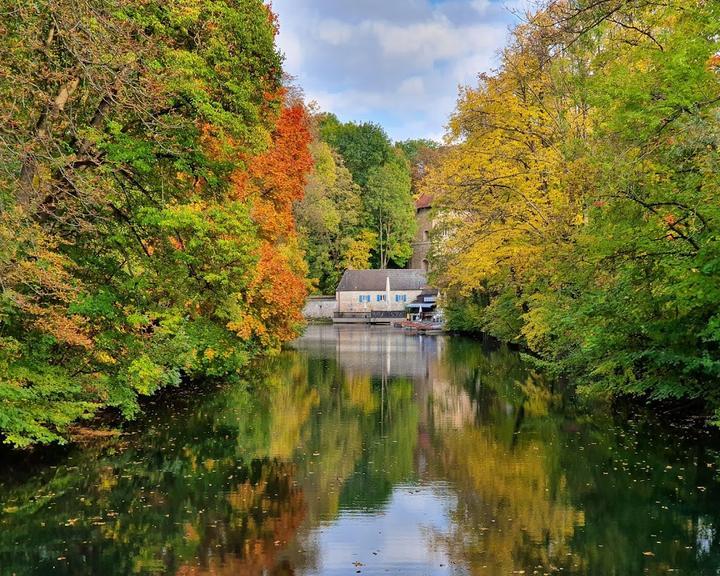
pixel 424 201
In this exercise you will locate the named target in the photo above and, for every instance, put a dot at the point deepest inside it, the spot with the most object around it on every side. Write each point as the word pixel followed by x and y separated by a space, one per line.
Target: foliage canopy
pixel 579 201
pixel 146 193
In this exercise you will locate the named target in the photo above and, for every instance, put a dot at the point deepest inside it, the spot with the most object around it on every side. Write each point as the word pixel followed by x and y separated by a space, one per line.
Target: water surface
pixel 368 451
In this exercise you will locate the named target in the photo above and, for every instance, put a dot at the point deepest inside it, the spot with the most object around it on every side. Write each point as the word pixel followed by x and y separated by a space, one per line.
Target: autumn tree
pixel 641 283
pixel 421 154
pixel 578 201
pixel 146 193
pixel 504 203
pixel 330 219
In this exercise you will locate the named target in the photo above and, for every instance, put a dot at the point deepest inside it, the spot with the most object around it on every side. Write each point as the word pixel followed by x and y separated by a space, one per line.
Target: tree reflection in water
pixel 366 449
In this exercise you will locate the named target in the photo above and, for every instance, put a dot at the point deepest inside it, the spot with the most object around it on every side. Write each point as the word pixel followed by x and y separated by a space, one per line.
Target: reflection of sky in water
pixel 705 536
pixel 397 540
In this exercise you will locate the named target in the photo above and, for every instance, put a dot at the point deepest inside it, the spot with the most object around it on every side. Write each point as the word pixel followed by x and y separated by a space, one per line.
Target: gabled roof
pixel 376 280
pixel 424 201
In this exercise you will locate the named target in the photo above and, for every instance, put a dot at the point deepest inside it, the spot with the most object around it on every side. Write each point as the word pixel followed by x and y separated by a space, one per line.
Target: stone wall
pixel 320 308
pixel 421 243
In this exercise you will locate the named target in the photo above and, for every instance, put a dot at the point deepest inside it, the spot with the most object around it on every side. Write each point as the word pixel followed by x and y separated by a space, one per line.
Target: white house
pixel 377 294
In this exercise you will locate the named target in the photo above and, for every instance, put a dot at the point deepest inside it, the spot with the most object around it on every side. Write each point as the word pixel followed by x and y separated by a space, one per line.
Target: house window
pixel 380 298
pixel 400 297
pixel 364 298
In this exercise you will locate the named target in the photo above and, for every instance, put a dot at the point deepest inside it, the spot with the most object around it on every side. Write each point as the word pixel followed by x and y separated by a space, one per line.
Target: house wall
pixel 320 308
pixel 421 242
pixel 350 301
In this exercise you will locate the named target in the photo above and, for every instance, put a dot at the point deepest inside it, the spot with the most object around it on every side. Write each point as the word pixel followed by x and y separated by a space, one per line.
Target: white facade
pixel 384 293
pixel 369 301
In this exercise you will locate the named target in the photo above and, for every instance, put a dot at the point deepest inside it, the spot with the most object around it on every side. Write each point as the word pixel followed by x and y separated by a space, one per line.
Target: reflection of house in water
pixel 387 354
pixel 376 352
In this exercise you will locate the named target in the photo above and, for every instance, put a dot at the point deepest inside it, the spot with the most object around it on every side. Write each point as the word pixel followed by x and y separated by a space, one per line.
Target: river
pixel 367 451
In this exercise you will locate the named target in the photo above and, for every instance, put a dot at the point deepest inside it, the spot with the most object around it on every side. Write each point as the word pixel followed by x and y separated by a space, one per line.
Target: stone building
pixel 421 243
pixel 377 295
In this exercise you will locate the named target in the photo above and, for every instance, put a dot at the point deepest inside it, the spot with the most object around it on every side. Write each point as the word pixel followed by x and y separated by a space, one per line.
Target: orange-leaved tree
pixel 273 182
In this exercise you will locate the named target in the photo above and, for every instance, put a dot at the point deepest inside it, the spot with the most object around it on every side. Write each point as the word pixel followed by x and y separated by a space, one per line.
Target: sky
pixel 394 62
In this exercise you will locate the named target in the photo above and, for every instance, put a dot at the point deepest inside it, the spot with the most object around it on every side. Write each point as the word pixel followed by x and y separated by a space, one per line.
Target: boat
pixel 433 326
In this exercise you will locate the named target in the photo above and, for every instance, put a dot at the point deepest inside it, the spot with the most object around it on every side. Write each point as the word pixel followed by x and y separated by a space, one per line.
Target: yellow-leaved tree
pixel 508 193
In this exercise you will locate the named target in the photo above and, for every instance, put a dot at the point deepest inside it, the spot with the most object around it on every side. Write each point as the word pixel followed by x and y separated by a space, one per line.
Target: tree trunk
pixel 26 192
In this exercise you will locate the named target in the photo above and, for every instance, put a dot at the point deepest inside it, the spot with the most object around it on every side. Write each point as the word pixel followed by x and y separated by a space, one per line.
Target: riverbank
pixel 699 411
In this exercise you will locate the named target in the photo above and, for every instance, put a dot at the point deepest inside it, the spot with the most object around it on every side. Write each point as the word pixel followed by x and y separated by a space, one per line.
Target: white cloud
pixel 334 32
pixel 482 6
pixel 412 87
pixel 395 62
